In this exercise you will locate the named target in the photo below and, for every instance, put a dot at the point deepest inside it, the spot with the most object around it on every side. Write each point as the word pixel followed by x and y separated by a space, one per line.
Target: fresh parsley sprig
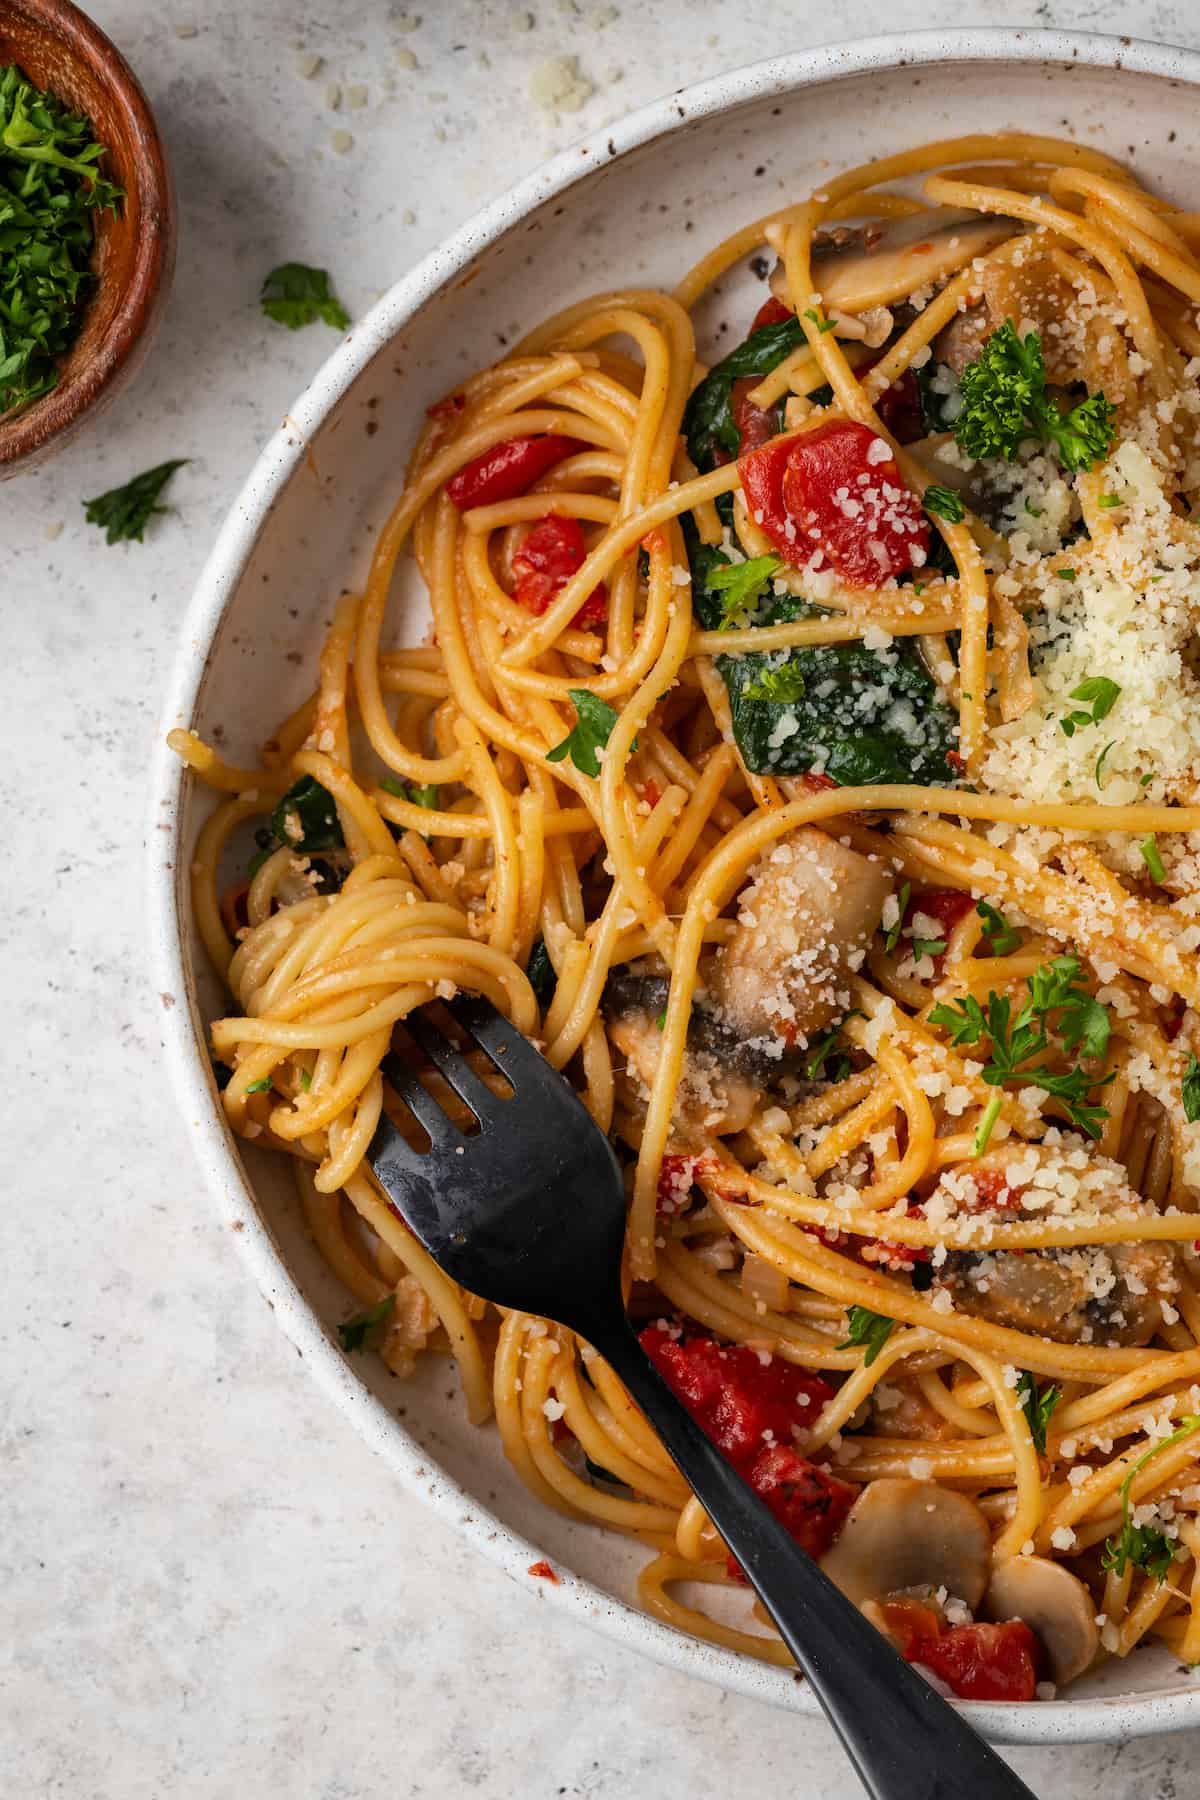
pixel 1005 404
pixel 590 733
pixel 1038 1405
pixel 1099 695
pixel 866 1327
pixel 123 513
pixel 1082 1025
pixel 740 585
pixel 784 685
pixel 997 930
pixel 1145 1546
pixel 295 294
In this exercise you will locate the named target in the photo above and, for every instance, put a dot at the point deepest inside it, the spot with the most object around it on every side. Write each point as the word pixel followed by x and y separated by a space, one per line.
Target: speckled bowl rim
pixel 1058 1721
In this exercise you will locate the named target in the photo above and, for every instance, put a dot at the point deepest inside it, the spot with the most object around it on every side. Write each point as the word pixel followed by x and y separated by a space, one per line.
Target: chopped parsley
pixel 49 190
pixel 1110 500
pixel 866 1327
pixel 417 794
pixel 1152 857
pixel 997 930
pixel 943 503
pixel 923 947
pixel 1145 1546
pixel 822 325
pixel 361 1331
pixel 260 1087
pixel 824 1064
pixel 1005 404
pixel 1191 1090
pixel 1038 1405
pixel 1099 695
pixel 784 685
pixel 295 294
pixel 1100 762
pixel 739 585
pixel 1083 1026
pixel 590 733
pixel 123 513
pixel 892 935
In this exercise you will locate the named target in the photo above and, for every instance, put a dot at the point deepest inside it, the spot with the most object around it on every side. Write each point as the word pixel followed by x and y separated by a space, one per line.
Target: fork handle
pixel 905 1742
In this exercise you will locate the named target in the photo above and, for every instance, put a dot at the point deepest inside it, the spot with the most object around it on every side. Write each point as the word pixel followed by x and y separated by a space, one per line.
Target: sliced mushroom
pixel 720 1084
pixel 804 921
pixel 1056 1607
pixel 1088 1293
pixel 885 263
pixel 901 1535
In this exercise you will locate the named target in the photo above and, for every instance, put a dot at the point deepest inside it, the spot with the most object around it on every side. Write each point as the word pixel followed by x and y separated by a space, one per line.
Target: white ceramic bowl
pixel 635 204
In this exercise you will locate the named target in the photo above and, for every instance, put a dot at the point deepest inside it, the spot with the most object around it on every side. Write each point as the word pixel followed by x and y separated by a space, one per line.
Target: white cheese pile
pixel 1130 615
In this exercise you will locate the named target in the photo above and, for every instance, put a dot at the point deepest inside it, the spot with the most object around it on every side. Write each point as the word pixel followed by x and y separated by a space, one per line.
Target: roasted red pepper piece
pixel 837 491
pixel 508 469
pixel 546 561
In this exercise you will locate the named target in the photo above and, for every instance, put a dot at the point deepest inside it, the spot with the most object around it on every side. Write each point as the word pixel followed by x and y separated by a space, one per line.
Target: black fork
pixel 529 1212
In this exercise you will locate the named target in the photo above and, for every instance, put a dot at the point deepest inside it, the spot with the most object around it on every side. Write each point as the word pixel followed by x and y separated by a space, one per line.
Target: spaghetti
pixel 807 756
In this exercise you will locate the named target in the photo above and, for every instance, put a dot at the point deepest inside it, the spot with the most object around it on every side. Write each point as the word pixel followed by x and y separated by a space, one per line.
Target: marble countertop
pixel 210 1586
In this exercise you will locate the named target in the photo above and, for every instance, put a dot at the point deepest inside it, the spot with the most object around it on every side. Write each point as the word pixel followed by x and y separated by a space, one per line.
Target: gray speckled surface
pixel 210 1586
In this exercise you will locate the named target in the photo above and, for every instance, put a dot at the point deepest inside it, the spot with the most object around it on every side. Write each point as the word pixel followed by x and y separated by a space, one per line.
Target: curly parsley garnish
pixel 295 295
pixel 1005 404
pixel 1082 1026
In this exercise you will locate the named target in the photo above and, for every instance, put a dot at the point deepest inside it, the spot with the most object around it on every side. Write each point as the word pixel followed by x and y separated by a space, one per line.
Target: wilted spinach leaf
pixel 708 422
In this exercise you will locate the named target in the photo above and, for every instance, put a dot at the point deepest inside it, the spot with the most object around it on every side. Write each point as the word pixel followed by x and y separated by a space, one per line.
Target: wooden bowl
pixel 60 50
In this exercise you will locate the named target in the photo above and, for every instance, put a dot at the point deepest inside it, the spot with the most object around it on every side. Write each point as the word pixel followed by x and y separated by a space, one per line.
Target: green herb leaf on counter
pixel 295 294
pixel 866 1327
pixel 360 1332
pixel 124 512
pixel 591 731
pixel 50 188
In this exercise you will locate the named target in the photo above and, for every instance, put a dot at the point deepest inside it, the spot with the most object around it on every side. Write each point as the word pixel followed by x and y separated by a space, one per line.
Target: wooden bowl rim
pixel 31 429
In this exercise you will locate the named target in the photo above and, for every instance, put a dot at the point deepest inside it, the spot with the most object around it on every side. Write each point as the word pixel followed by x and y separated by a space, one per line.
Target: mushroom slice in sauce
pixel 721 1081
pixel 804 922
pixel 880 264
pixel 1055 1605
pixel 902 1535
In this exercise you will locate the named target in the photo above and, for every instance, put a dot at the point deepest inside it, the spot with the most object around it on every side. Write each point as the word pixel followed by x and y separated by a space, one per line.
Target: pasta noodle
pixel 745 773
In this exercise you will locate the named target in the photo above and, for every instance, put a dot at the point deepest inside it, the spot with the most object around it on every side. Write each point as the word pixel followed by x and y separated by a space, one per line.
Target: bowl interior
pixel 63 53
pixel 302 532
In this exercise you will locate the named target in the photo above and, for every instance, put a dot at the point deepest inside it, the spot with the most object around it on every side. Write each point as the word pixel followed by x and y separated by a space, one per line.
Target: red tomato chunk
pixel 508 469
pixel 984 1662
pixel 899 406
pixel 756 424
pixel 744 1405
pixel 837 493
pixel 771 312
pixel 809 1503
pixel 546 561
